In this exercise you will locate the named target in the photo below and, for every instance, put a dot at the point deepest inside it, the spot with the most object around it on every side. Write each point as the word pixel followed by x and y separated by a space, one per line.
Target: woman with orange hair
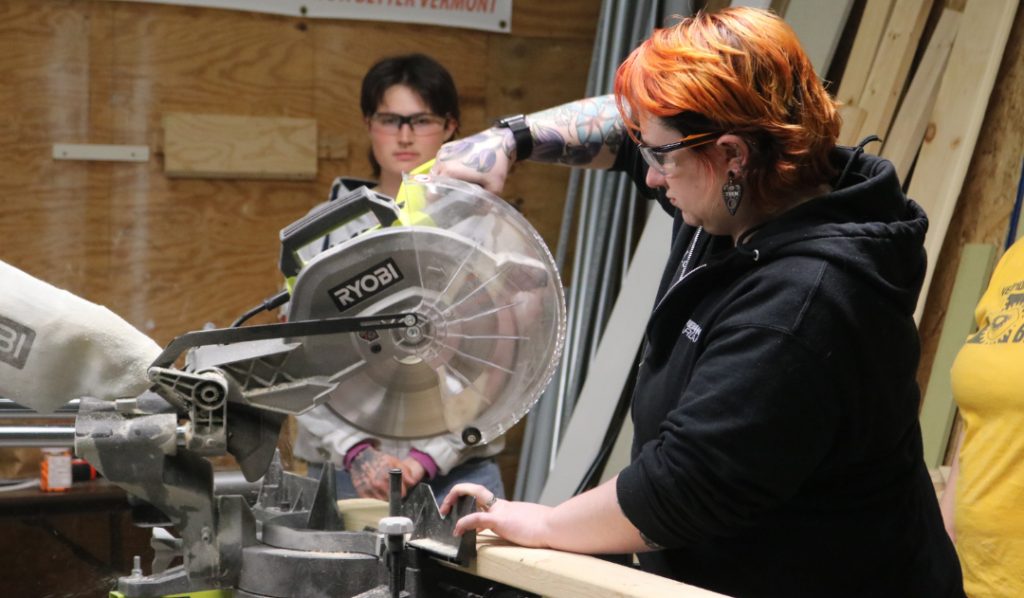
pixel 776 449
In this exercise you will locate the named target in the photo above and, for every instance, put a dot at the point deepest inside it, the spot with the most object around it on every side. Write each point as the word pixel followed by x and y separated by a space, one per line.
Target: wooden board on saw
pixel 361 513
pixel 908 130
pixel 890 68
pixel 959 111
pixel 556 574
pixel 218 146
pixel 550 573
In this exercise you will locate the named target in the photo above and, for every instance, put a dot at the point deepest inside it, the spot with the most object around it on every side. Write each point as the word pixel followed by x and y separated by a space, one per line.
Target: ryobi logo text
pixel 15 342
pixel 366 284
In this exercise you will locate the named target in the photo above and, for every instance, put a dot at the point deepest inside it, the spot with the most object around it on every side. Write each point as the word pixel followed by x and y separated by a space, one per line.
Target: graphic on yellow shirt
pixel 1006 325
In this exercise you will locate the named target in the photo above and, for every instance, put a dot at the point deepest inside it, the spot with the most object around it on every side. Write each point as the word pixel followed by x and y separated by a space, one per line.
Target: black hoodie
pixel 777 450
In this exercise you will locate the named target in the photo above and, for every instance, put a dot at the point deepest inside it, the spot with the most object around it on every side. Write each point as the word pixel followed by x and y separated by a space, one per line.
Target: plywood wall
pixel 171 255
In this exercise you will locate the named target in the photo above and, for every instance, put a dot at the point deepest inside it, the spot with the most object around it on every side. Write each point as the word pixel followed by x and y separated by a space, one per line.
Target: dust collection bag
pixel 55 346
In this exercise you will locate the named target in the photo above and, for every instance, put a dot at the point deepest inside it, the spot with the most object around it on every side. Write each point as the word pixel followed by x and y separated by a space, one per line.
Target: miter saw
pixel 446 317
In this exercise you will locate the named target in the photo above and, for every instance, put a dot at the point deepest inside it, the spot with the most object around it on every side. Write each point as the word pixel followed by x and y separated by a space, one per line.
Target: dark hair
pixel 418 72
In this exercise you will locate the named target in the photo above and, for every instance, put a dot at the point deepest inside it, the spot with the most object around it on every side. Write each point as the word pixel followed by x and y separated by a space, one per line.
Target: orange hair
pixel 742 71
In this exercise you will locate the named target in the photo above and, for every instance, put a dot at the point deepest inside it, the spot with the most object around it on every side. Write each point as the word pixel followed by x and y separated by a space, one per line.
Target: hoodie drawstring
pixel 856 152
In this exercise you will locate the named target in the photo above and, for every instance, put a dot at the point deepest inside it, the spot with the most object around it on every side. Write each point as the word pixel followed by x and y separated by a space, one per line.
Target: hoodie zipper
pixel 686 263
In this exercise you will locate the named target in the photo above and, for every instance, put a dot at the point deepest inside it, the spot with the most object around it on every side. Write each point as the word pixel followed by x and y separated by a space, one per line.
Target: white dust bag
pixel 55 346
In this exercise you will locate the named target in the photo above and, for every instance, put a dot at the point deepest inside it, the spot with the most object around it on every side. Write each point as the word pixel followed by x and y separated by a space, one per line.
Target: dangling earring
pixel 732 193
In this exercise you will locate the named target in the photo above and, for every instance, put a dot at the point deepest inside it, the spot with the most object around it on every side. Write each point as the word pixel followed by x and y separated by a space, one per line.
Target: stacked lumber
pixel 870 94
pixel 940 105
pixel 929 118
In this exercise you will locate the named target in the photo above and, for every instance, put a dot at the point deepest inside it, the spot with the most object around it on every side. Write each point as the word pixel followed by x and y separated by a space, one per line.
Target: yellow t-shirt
pixel 988 384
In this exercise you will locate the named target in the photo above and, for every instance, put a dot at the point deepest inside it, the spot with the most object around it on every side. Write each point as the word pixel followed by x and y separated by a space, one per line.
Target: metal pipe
pixel 11 410
pixel 567 217
pixel 627 243
pixel 573 320
pixel 37 436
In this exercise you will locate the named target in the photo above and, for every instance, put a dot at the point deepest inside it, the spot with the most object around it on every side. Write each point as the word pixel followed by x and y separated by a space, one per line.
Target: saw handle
pixel 319 223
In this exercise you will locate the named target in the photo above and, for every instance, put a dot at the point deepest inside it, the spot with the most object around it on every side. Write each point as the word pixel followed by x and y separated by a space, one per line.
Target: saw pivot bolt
pixel 209 395
pixel 471 435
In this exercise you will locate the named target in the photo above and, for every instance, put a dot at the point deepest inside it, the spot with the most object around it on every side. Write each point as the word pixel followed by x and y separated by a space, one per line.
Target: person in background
pixel 777 450
pixel 410 107
pixel 983 504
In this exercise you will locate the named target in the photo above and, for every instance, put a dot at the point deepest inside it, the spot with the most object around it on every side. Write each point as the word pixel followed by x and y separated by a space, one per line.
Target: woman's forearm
pixel 585 133
pixel 593 523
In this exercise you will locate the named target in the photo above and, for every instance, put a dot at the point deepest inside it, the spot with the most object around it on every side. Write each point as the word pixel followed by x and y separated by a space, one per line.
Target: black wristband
pixel 521 134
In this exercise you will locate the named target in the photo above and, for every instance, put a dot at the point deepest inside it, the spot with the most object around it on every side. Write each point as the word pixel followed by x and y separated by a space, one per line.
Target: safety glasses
pixel 659 157
pixel 421 124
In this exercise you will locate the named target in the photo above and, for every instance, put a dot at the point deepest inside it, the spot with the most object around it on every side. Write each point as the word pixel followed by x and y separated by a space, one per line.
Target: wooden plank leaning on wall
pixel 958 116
pixel 889 71
pixel 911 123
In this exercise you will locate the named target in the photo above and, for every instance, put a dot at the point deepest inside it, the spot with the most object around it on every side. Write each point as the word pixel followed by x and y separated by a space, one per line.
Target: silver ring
pixel 487 506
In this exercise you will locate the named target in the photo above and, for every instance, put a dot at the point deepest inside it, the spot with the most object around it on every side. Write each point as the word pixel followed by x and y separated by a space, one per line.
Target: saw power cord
pixel 269 303
pixel 13 485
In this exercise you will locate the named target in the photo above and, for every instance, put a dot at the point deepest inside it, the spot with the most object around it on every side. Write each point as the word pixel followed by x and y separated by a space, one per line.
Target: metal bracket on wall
pixel 101 153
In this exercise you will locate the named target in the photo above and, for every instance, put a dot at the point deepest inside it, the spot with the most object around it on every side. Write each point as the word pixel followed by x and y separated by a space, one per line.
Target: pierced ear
pixel 736 150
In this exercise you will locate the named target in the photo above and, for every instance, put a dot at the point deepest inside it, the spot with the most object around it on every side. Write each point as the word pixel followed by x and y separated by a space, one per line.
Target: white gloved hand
pixel 55 346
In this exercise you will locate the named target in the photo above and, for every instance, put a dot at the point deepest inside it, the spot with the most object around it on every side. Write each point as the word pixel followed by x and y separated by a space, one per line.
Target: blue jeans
pixel 475 471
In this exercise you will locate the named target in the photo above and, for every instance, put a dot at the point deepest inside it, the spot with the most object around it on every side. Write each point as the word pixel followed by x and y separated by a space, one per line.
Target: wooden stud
pixel 959 111
pixel 862 55
pixel 908 130
pixel 939 409
pixel 853 119
pixel 889 70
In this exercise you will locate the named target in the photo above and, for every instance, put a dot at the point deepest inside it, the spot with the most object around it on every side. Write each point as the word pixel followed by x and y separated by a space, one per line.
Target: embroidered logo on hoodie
pixel 692 331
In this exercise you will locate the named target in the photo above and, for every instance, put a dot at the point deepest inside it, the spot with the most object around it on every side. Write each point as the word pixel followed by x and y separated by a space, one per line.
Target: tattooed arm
pixel 370 472
pixel 585 133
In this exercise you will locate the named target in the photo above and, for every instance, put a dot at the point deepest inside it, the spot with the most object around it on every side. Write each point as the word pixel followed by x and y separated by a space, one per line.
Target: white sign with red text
pixel 489 15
